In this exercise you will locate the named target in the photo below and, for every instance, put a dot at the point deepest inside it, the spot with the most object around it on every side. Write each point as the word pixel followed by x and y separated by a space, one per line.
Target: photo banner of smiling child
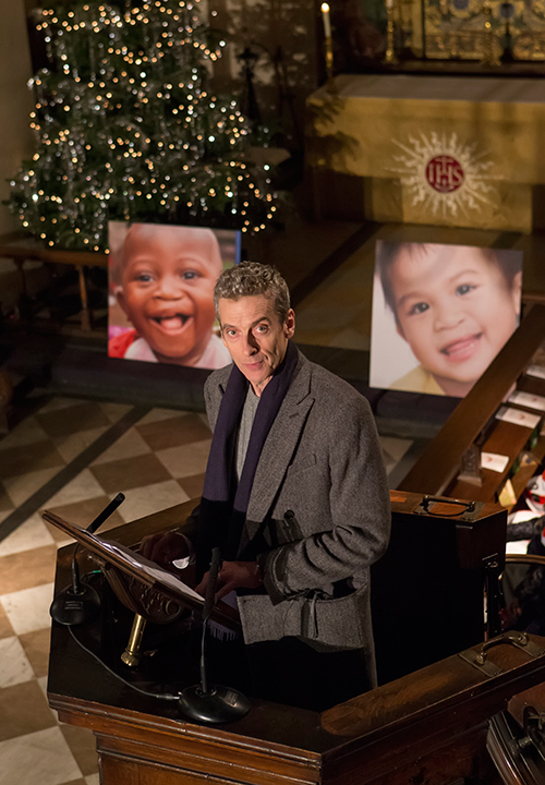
pixel 441 314
pixel 161 292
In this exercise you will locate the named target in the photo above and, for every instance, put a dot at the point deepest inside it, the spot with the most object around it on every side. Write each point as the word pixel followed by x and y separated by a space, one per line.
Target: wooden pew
pixel 436 470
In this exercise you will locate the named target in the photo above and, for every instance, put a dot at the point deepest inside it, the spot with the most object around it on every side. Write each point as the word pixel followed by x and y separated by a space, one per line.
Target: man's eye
pixel 418 308
pixel 189 275
pixel 464 288
pixel 230 333
pixel 261 328
pixel 144 277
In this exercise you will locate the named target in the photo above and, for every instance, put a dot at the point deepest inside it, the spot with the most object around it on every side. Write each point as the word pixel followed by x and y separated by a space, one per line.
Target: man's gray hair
pixel 251 278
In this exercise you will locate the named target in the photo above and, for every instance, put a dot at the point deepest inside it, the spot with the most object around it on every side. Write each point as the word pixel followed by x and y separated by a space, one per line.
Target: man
pixel 295 496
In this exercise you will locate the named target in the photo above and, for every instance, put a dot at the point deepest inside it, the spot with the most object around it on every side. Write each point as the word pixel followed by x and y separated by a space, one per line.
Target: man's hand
pixel 164 547
pixel 234 575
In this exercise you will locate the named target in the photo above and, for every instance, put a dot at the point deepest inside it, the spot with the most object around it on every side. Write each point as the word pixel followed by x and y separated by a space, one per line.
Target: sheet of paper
pixel 517 546
pixel 527 399
pixel 494 461
pixel 536 370
pixel 517 417
pixel 149 568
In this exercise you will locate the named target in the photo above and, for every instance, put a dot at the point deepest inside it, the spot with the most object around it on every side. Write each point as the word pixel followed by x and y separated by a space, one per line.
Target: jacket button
pixel 289 515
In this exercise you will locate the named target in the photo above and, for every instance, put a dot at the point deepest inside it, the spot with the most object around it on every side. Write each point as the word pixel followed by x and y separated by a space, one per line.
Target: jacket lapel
pixel 281 443
pixel 216 399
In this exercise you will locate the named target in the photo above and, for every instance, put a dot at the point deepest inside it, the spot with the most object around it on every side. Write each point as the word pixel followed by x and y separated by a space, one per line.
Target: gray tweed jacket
pixel 321 482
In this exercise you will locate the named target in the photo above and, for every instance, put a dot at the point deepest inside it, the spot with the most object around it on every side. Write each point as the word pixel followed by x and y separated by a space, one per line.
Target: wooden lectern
pixel 428 727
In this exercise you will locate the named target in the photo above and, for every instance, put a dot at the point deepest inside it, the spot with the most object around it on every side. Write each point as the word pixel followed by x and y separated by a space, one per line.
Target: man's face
pixel 456 311
pixel 167 289
pixel 256 339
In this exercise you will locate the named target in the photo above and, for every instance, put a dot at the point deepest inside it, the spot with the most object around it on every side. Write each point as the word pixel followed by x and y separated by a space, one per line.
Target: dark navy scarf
pixel 224 503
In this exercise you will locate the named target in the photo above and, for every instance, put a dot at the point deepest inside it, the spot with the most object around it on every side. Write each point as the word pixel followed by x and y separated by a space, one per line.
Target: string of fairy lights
pixel 126 128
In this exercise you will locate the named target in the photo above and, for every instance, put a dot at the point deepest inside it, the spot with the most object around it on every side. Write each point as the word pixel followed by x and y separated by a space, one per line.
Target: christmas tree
pixel 128 129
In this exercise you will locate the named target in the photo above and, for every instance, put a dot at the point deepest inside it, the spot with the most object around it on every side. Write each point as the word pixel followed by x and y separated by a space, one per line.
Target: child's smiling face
pixel 168 279
pixel 456 310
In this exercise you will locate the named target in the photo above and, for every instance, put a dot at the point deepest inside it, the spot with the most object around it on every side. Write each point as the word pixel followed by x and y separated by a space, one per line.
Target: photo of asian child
pixel 454 306
pixel 163 278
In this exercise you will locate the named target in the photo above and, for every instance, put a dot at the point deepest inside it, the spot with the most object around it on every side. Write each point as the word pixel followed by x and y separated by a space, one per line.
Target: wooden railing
pixel 436 470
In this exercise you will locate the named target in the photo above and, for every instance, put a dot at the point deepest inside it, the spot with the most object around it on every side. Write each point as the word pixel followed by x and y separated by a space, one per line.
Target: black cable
pixel 163 695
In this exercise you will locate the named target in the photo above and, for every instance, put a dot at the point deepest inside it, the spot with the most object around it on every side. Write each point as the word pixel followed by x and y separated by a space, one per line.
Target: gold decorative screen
pixel 473 29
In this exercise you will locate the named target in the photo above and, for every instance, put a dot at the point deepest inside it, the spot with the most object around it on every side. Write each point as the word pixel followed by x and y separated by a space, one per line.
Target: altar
pixel 441 150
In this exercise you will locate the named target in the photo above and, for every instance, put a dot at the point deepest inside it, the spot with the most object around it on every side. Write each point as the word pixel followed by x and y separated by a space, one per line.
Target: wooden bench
pixel 21 250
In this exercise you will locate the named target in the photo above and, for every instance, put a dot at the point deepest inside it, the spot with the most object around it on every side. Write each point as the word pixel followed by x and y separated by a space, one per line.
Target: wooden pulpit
pixel 429 726
pixel 428 591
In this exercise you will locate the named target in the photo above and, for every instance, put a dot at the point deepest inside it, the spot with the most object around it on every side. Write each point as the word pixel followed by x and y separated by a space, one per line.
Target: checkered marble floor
pixel 72 456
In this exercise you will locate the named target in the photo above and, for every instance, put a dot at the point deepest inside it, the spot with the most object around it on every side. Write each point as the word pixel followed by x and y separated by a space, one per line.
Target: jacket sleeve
pixel 359 504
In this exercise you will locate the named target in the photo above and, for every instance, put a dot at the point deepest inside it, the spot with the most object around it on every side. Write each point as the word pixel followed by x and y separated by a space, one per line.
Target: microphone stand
pixel 204 702
pixel 79 602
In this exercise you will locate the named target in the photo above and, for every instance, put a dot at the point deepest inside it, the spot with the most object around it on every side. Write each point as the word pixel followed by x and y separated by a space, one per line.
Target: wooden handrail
pixel 525 558
pixel 441 460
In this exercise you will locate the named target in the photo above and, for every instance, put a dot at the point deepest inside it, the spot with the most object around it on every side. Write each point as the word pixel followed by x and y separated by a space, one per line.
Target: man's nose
pixel 250 344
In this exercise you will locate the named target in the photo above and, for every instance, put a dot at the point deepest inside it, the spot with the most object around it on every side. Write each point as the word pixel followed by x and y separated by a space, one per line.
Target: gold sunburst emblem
pixel 444 175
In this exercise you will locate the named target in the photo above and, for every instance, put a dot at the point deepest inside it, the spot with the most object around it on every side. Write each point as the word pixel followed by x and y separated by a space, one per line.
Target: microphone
pixel 215 565
pixel 106 512
pixel 79 602
pixel 212 703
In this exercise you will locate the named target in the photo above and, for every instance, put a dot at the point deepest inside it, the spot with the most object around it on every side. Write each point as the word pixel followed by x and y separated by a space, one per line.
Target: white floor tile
pixel 114 411
pixel 151 498
pixel 160 414
pixel 28 431
pixel 22 487
pixel 127 446
pixel 73 445
pixel 63 541
pixel 42 683
pixel 41 758
pixel 186 460
pixel 60 403
pixel 204 418
pixel 33 533
pixel 93 779
pixel 82 487
pixel 15 667
pixel 28 609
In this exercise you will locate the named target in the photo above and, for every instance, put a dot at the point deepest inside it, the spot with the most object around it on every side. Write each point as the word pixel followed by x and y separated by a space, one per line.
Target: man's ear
pixel 289 324
pixel 516 291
